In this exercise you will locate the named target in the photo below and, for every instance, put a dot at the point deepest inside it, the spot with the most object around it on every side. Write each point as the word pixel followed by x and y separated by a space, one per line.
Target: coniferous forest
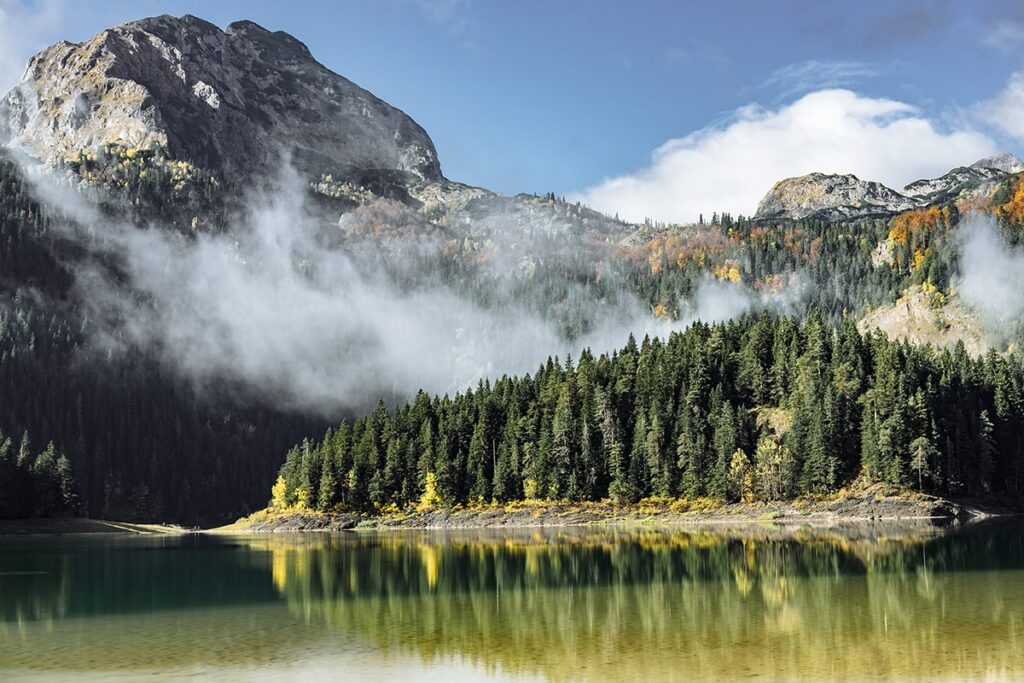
pixel 762 408
pixel 137 441
pixel 769 406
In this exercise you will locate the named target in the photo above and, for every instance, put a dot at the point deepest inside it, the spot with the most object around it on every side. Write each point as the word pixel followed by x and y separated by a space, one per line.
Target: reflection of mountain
pixel 652 605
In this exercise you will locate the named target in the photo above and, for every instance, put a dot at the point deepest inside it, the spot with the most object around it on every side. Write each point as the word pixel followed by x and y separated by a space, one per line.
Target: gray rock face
pixel 952 183
pixel 837 197
pixel 977 179
pixel 830 196
pixel 232 102
pixel 1007 163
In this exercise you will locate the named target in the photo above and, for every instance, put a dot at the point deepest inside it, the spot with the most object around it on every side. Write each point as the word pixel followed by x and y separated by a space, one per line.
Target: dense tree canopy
pixel 763 408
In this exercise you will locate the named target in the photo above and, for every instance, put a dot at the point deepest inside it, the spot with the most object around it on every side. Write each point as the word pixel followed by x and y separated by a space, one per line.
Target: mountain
pixel 977 179
pixel 231 102
pixel 831 196
pixel 172 329
pixel 198 112
pixel 836 197
pixel 1007 163
pixel 169 128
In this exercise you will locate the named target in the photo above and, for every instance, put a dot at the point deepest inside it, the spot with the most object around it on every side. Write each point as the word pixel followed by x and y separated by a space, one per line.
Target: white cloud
pixel 1005 111
pixel 24 30
pixel 1004 35
pixel 729 167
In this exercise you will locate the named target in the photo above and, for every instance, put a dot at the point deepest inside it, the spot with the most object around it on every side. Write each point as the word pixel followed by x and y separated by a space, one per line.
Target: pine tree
pixel 986 454
pixel 726 443
pixel 479 464
pixel 920 454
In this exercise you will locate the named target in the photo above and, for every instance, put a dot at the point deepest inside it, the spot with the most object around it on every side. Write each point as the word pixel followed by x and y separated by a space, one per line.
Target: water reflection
pixel 657 604
pixel 559 605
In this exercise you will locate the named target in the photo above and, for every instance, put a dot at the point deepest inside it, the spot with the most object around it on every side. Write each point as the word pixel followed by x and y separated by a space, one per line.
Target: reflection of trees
pixel 620 605
pixel 567 605
pixel 33 591
pixel 49 579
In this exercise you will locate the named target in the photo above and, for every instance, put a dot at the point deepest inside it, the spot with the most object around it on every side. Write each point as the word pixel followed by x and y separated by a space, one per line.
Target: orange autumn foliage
pixel 912 222
pixel 1013 210
pixel 676 249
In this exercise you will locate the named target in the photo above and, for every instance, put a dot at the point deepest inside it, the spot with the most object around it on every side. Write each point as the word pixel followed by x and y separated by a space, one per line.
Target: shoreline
pixel 874 506
pixel 868 507
pixel 82 526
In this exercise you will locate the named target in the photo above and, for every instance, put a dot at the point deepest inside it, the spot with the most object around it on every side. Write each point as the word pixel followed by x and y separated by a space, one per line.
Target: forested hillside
pixel 141 442
pixel 759 408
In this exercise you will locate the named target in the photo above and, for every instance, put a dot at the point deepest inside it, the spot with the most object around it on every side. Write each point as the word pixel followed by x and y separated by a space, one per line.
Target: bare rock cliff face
pixel 978 179
pixel 233 102
pixel 837 197
pixel 830 196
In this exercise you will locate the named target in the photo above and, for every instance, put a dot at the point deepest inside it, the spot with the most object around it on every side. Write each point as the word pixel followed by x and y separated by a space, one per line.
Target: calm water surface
pixel 567 605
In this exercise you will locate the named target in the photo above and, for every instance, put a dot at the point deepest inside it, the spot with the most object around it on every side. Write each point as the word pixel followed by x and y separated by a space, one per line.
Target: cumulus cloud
pixel 729 167
pixel 23 31
pixel 1004 111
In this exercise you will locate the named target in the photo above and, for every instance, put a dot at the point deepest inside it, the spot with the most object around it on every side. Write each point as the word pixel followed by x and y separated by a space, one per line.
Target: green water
pixel 569 605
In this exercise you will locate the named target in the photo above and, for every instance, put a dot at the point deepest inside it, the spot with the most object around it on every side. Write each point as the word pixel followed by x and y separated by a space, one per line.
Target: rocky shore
pixel 845 508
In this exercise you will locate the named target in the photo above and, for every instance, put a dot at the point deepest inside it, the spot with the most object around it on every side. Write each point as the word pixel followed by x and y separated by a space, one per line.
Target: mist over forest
pixel 185 308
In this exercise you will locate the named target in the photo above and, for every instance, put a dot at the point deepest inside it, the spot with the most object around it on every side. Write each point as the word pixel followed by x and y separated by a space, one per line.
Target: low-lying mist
pixel 991 276
pixel 276 303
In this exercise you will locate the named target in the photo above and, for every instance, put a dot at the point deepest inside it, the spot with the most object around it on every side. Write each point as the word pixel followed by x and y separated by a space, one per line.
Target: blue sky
pixel 565 96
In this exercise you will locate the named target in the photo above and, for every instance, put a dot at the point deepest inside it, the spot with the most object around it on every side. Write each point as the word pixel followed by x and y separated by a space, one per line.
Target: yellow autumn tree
pixel 741 477
pixel 431 499
pixel 279 494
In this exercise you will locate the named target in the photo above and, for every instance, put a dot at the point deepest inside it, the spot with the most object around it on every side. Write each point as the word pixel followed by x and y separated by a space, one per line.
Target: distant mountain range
pixel 836 197
pixel 175 124
pixel 234 103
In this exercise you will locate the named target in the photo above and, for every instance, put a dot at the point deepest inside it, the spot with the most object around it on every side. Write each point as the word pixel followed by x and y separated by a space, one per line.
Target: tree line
pixel 143 444
pixel 759 408
pixel 35 485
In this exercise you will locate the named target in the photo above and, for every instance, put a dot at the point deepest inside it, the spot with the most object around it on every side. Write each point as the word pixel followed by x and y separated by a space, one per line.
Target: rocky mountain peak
pixel 231 101
pixel 830 196
pixel 1007 163
pixel 977 179
pixel 846 196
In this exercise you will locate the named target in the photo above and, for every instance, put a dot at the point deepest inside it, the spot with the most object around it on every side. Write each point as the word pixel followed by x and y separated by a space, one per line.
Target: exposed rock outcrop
pixel 231 102
pixel 979 178
pixel 836 197
pixel 830 196
pixel 927 317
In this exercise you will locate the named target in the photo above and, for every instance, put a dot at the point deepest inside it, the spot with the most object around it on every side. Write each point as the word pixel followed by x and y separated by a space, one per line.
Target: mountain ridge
pixel 845 196
pixel 232 101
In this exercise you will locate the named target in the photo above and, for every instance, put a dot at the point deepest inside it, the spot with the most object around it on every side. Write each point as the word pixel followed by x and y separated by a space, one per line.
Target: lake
pixel 857 603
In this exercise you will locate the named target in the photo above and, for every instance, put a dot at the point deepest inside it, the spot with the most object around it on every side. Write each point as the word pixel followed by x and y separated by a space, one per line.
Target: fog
pixel 276 304
pixel 991 276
